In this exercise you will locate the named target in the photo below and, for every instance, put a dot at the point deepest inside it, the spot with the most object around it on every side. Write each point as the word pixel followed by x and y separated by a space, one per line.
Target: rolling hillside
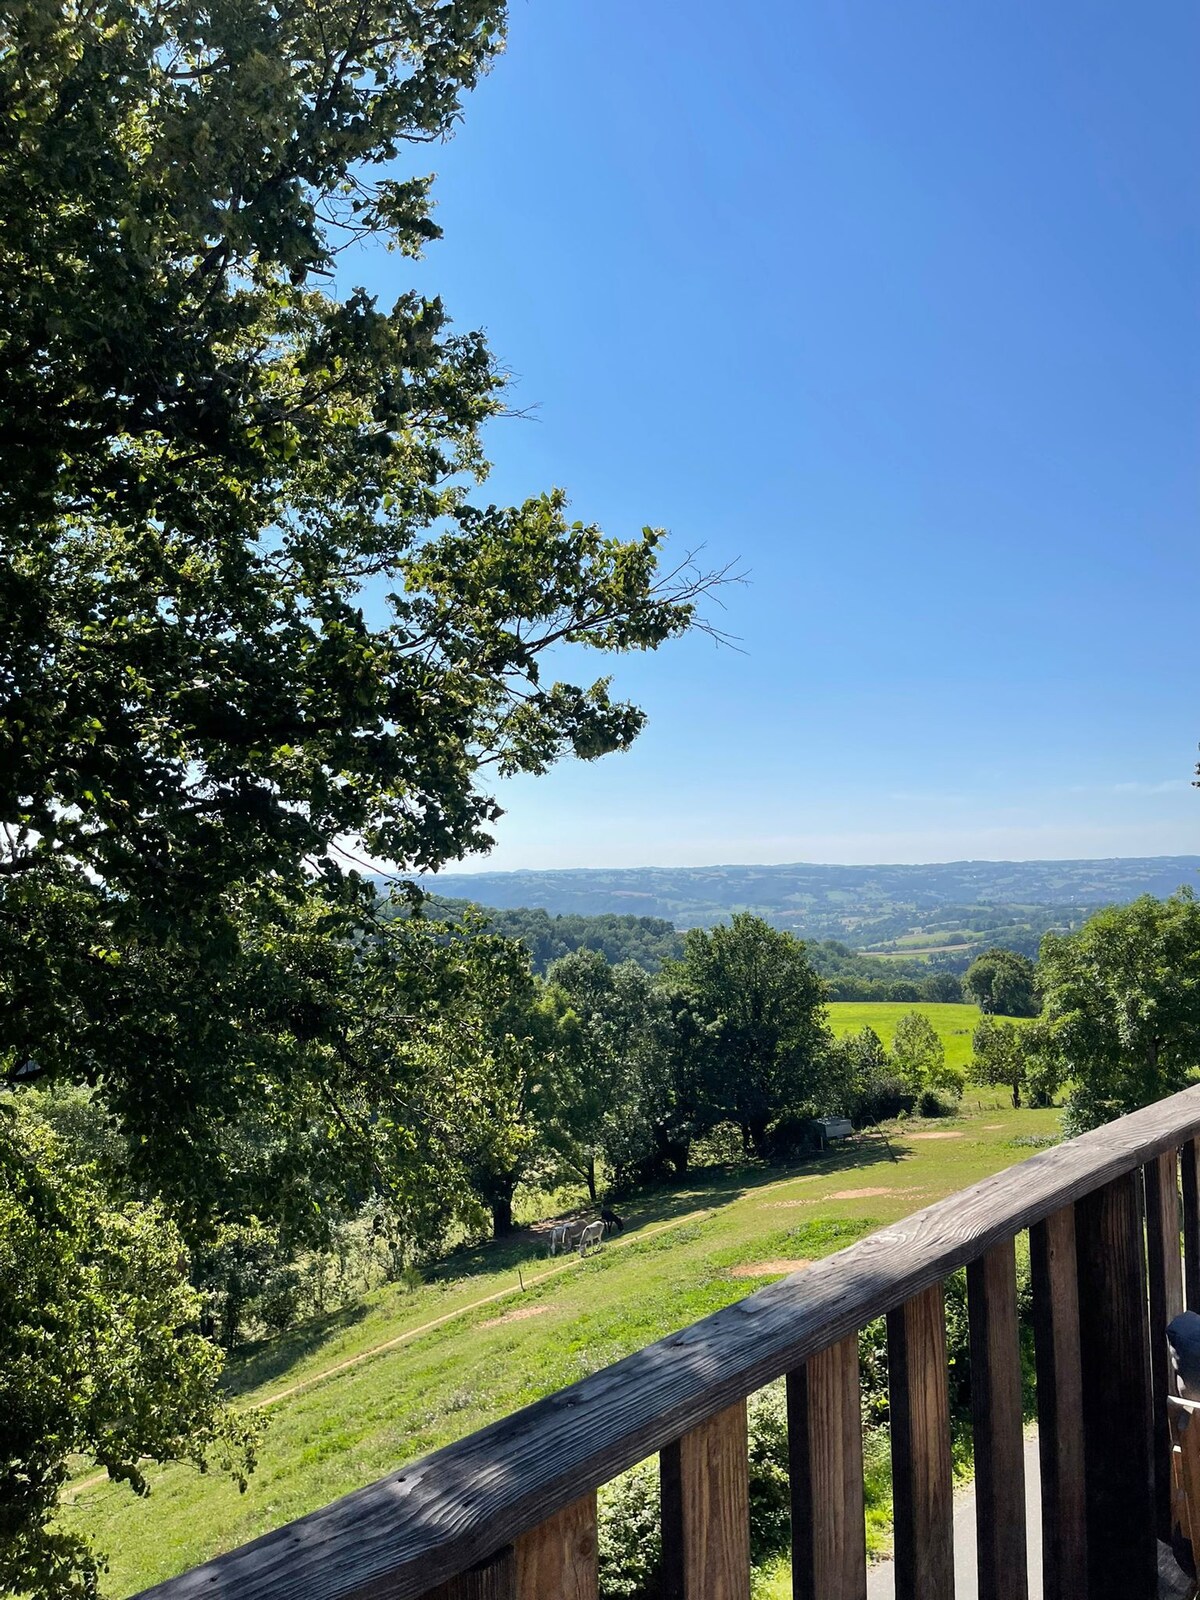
pixel 946 909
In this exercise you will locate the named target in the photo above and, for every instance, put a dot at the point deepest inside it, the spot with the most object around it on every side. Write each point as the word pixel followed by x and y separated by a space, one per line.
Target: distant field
pixel 954 1024
pixel 401 1386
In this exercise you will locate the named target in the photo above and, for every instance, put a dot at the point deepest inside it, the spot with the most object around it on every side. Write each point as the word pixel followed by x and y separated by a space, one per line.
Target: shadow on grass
pixel 266 1359
pixel 707 1188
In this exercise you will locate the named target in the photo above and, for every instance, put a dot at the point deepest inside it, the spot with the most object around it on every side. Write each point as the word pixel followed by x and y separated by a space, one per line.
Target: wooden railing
pixel 510 1512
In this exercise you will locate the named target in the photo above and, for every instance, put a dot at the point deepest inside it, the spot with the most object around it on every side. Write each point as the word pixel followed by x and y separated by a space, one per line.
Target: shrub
pixel 883 1097
pixel 932 1104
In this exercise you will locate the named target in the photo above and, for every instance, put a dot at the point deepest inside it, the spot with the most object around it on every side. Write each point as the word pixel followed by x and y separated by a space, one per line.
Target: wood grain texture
pixel 998 1425
pixel 397 1538
pixel 1164 1269
pixel 706 1511
pixel 1189 1172
pixel 1115 1369
pixel 922 1488
pixel 1060 1406
pixel 1184 1423
pixel 557 1560
pixel 495 1579
pixel 829 1554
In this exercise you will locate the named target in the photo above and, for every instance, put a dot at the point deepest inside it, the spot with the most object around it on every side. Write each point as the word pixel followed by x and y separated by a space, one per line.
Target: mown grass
pixel 346 1428
pixel 954 1024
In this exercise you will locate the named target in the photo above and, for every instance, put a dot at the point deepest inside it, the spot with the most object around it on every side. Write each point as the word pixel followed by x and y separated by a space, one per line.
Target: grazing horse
pixel 561 1237
pixel 612 1222
pixel 593 1234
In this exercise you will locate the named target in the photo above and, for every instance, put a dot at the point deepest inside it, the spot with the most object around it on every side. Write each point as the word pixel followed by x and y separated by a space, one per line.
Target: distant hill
pixel 939 913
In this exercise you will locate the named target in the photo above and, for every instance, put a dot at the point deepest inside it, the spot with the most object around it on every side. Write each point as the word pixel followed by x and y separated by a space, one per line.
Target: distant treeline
pixel 650 941
pixel 653 941
pixel 850 975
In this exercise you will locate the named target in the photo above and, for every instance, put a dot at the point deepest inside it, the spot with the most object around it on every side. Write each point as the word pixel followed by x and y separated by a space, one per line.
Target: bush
pixel 932 1104
pixel 883 1097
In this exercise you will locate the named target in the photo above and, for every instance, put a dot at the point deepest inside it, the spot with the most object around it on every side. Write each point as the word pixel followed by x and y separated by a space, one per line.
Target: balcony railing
pixel 509 1513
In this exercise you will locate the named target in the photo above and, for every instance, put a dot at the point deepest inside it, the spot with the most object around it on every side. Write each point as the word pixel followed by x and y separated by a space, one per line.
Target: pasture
pixel 355 1395
pixel 954 1024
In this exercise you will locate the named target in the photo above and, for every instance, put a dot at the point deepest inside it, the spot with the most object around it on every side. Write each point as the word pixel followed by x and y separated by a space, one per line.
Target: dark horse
pixel 612 1222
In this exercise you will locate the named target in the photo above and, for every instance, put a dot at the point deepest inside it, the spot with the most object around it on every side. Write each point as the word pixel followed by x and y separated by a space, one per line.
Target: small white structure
pixel 834 1128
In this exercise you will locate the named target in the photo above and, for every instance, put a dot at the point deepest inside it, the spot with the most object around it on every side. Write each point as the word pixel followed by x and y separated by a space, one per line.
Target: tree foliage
pixel 99 1355
pixel 1004 983
pixel 765 1044
pixel 257 620
pixel 1122 1006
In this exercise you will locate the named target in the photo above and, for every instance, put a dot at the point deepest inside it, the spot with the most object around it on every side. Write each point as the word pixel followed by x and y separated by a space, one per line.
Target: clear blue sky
pixel 899 306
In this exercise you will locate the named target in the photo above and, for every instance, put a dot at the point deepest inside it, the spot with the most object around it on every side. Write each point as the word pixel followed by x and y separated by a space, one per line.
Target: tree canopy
pixel 1004 983
pixel 258 623
pixel 766 1043
pixel 1122 1006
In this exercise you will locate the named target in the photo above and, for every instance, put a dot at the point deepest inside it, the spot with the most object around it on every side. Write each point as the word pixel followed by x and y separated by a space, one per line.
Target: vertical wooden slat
pixel 829 1556
pixel 1165 1274
pixel 706 1511
pixel 1114 1365
pixel 922 1496
pixel 998 1425
pixel 557 1560
pixel 1060 1406
pixel 1189 1162
pixel 493 1579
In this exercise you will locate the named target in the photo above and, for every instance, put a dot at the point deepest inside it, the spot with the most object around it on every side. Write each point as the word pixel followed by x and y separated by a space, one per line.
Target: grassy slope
pixel 954 1023
pixel 356 1425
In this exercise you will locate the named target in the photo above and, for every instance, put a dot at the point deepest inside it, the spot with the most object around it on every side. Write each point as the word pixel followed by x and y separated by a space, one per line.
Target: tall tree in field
pixel 1122 1006
pixel 918 1052
pixel 766 1042
pixel 1003 983
pixel 256 621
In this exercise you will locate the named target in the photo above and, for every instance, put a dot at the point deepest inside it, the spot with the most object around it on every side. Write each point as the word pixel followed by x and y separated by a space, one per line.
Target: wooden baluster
pixel 493 1579
pixel 1189 1162
pixel 1165 1272
pixel 829 1555
pixel 557 1559
pixel 706 1511
pixel 1060 1406
pixel 998 1425
pixel 922 1496
pixel 1114 1366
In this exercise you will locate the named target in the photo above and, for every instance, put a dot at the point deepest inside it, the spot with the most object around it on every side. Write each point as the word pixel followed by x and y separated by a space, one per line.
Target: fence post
pixel 706 1511
pixel 1114 1367
pixel 922 1494
pixel 998 1425
pixel 829 1555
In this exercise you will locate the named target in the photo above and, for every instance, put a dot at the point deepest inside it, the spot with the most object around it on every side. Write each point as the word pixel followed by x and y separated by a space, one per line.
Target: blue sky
pixel 899 308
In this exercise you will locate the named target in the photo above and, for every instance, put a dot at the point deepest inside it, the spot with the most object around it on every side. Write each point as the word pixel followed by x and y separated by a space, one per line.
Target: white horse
pixel 593 1234
pixel 562 1237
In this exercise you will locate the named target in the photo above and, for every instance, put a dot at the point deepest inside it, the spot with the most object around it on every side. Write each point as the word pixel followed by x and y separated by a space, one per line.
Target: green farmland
pixel 352 1397
pixel 954 1024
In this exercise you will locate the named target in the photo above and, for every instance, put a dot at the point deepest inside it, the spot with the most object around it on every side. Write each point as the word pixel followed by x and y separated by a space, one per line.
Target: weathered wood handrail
pixel 469 1503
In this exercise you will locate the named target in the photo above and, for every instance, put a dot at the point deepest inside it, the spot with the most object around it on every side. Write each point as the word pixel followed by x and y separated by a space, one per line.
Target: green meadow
pixel 954 1024
pixel 357 1394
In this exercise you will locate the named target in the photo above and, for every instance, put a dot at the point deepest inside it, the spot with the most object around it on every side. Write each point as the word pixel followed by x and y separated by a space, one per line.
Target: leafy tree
pixel 1122 1006
pixel 1003 982
pixel 1001 1054
pixel 766 1045
pixel 216 464
pixel 256 622
pixel 97 1354
pixel 919 1053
